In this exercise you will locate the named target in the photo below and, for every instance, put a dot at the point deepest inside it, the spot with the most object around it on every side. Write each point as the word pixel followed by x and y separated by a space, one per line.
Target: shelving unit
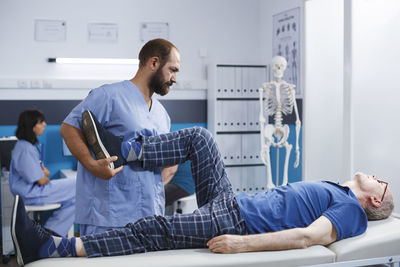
pixel 233 118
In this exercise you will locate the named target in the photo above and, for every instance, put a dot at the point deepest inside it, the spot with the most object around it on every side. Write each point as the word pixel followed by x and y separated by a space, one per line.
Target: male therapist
pixel 123 108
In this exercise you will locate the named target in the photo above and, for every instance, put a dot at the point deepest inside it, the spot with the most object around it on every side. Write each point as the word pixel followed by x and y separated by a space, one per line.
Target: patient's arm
pixel 320 232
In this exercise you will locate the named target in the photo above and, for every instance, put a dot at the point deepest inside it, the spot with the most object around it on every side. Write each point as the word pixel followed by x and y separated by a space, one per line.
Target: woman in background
pixel 29 178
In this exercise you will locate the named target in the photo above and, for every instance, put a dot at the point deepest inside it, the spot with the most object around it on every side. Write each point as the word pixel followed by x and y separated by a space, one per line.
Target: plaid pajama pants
pixel 218 211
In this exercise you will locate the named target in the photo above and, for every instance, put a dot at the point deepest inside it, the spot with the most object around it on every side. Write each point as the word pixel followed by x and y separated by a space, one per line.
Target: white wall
pixel 351 114
pixel 235 31
pixel 376 94
pixel 323 93
pixel 227 29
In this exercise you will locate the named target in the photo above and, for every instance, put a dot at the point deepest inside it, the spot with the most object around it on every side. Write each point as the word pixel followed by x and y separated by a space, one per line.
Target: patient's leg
pixel 195 144
pixel 32 242
pixel 79 248
pixel 154 233
pixel 218 213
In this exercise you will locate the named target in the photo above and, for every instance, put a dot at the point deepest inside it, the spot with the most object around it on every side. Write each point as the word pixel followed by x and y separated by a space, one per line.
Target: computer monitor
pixel 6 146
pixel 66 152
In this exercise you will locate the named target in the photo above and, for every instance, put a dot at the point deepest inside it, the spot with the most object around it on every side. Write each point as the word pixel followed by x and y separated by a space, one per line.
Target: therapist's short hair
pixel 160 48
pixel 26 121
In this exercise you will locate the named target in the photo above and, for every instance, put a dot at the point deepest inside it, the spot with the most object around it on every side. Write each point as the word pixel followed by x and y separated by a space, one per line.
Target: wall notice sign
pixel 103 32
pixel 50 30
pixel 153 30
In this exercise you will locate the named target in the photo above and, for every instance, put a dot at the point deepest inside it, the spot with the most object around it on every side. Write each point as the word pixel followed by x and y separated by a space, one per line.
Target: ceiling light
pixel 116 61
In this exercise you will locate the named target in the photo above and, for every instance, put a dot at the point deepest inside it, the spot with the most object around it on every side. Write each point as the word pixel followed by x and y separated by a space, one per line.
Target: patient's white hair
pixel 382 212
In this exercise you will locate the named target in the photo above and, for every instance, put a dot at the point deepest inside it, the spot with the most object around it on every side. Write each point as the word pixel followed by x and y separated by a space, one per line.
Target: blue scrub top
pixel 134 192
pixel 25 170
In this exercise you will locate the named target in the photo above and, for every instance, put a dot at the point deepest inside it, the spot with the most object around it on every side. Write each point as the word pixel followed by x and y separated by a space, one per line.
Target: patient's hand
pixel 227 244
pixel 101 168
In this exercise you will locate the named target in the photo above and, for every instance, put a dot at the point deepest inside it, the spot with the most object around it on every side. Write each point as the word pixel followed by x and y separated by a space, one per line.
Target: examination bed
pixel 379 244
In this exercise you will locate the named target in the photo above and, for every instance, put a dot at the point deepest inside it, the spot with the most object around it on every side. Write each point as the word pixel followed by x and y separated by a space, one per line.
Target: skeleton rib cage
pixel 278 105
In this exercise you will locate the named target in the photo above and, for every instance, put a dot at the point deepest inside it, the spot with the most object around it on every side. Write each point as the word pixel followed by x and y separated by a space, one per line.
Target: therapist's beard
pixel 158 85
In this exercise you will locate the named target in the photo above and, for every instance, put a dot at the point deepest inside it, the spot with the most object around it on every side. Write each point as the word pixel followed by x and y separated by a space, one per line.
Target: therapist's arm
pixel 320 232
pixel 168 172
pixel 76 143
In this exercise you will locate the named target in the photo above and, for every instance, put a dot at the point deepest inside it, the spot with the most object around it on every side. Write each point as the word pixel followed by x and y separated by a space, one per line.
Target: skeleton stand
pixel 280 98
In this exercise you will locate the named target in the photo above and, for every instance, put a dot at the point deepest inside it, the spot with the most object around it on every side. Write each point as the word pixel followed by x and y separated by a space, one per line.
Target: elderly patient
pixel 297 215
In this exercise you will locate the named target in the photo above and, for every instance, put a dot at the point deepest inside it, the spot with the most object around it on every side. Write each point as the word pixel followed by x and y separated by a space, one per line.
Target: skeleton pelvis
pixel 276 135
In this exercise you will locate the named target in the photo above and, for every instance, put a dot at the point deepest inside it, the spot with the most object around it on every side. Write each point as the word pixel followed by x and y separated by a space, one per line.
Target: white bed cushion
pixel 381 239
pixel 200 257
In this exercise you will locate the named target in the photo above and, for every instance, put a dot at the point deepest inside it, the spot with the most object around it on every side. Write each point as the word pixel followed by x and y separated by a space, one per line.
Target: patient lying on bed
pixel 296 215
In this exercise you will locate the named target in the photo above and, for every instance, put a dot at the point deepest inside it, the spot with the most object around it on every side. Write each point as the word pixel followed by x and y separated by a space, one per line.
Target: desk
pixel 67 173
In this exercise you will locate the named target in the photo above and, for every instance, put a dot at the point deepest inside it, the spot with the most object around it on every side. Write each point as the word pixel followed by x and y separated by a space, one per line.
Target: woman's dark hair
pixel 26 121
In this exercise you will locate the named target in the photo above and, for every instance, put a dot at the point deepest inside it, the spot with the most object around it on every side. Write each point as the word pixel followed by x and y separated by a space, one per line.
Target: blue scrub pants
pixel 60 191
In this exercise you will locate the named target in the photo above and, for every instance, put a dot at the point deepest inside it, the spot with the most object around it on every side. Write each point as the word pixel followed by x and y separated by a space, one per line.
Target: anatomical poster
pixel 286 43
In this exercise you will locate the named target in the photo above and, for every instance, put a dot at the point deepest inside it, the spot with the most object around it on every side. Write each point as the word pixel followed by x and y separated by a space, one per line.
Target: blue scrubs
pixel 134 192
pixel 25 170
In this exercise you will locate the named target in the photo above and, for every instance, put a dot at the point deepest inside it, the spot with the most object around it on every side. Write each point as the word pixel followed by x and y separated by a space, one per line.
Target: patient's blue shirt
pixel 299 204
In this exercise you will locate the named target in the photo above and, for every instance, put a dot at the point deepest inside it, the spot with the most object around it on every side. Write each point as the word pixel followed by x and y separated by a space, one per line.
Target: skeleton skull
pixel 278 65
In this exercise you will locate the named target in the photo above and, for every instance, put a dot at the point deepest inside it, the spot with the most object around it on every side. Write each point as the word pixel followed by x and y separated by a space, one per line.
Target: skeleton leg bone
pixel 270 184
pixel 285 172
pixel 268 132
pixel 283 143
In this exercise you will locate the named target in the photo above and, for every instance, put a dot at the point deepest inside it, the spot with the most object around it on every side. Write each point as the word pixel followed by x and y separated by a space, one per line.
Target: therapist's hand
pixel 45 171
pixel 227 244
pixel 43 180
pixel 101 168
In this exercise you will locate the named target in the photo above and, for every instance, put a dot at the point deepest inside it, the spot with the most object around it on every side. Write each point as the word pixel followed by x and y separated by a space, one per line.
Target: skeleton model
pixel 280 98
